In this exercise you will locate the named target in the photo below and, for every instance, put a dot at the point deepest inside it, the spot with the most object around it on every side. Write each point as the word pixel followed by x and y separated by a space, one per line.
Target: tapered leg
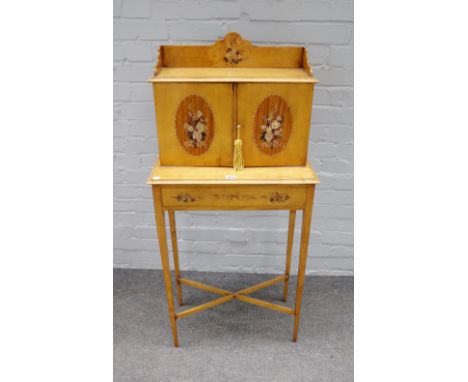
pixel 161 227
pixel 305 232
pixel 292 221
pixel 175 252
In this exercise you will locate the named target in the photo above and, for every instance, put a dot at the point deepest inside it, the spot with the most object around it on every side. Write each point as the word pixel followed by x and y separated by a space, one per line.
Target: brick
pixel 341 96
pixel 142 92
pixel 192 10
pixel 206 234
pixel 288 11
pixel 123 191
pixel 343 11
pixel 121 92
pixel 133 73
pixel 333 224
pixel 321 96
pixel 336 77
pixel 333 212
pixel 335 197
pixel 135 218
pixel 344 183
pixel 330 265
pixel 142 128
pixel 323 150
pixel 137 145
pixel 145 232
pixel 205 246
pixel 118 175
pixel 138 52
pixel 137 177
pixel 336 166
pixel 117 8
pixel 121 128
pixel 119 143
pixel 123 232
pixel 317 54
pixel 341 56
pixel 319 132
pixel 133 29
pixel 341 251
pixel 166 10
pixel 196 31
pixel 346 151
pixel 136 9
pixel 118 52
pixel 145 206
pixel 340 133
pixel 320 33
pixel 127 161
pixel 325 114
pixel 204 219
pixel 148 160
pixel 122 205
pixel 140 110
pixel 337 238
pixel 332 114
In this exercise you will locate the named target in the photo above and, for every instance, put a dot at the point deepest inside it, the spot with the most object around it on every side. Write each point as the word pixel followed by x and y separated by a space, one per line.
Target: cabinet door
pixel 195 123
pixel 274 119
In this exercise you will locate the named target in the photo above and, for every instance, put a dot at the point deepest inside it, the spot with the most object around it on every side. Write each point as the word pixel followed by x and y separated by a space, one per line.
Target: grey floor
pixel 234 341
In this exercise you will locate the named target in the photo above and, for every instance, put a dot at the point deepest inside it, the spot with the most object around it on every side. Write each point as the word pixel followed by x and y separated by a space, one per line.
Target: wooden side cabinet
pixel 224 104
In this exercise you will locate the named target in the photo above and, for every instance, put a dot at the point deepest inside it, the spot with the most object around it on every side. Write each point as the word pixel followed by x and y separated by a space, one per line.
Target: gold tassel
pixel 238 159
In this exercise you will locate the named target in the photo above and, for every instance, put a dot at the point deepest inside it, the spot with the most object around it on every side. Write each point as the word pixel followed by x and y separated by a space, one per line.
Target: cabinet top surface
pixel 181 175
pixel 292 75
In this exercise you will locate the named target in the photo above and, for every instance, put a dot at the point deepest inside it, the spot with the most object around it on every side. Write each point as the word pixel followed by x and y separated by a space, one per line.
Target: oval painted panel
pixel 272 125
pixel 194 124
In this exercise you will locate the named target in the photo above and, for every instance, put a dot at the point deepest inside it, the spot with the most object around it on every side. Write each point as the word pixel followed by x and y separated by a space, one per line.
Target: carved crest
pixel 272 125
pixel 194 124
pixel 235 48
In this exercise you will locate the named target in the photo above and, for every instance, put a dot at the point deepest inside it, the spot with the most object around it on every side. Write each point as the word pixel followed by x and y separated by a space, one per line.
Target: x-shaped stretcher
pixel 229 296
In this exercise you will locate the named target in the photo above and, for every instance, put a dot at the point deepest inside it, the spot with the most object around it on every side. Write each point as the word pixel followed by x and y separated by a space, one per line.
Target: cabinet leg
pixel 292 221
pixel 305 233
pixel 175 251
pixel 161 227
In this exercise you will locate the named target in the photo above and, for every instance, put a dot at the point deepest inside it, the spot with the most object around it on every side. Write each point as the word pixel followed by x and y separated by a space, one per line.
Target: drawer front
pixel 194 123
pixel 241 197
pixel 275 121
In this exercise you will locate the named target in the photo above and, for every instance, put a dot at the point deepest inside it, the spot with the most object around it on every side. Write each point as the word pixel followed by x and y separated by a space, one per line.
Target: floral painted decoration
pixel 186 198
pixel 272 130
pixel 272 125
pixel 233 56
pixel 194 124
pixel 278 198
pixel 195 129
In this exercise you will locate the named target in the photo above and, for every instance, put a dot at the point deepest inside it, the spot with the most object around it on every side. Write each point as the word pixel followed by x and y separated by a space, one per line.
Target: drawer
pixel 269 197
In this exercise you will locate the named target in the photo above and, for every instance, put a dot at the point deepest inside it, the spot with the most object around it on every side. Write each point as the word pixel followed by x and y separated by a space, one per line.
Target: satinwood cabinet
pixel 202 93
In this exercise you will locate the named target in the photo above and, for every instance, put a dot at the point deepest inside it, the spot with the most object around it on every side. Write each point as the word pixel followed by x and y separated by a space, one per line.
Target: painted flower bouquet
pixel 196 129
pixel 272 130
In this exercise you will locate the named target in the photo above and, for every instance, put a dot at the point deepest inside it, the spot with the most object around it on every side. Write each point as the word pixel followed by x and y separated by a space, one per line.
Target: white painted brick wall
pixel 234 241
